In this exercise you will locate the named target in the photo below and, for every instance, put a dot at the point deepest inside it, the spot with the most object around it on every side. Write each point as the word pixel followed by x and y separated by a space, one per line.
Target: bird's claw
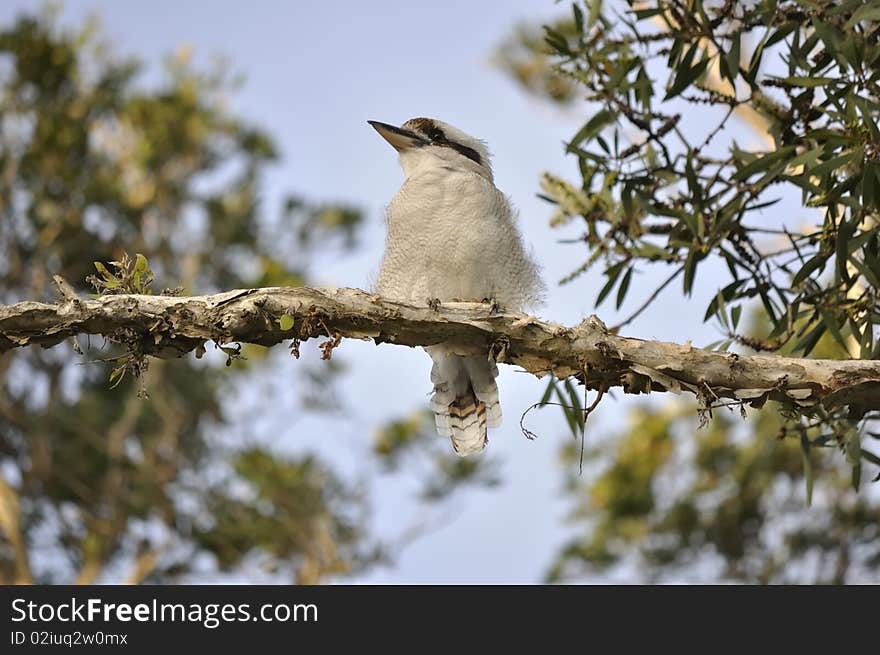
pixel 434 303
pixel 494 306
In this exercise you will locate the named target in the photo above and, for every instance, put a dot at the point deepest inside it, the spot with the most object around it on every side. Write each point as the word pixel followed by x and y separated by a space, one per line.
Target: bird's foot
pixel 494 306
pixel 498 349
pixel 434 303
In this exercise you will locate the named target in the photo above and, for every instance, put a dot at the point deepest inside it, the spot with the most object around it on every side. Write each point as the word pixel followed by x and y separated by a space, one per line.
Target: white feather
pixel 453 235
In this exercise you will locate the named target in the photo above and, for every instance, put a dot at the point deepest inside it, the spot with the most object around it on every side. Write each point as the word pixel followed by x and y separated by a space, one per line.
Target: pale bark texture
pixel 169 326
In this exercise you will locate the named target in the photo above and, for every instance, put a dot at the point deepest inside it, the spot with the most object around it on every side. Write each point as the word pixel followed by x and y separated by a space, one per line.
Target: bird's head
pixel 427 142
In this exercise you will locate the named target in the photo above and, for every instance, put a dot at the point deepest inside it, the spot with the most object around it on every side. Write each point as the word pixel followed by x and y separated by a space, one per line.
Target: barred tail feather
pixel 482 374
pixel 465 400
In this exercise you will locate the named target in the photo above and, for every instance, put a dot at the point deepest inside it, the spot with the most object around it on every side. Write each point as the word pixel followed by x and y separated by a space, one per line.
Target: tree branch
pixel 166 326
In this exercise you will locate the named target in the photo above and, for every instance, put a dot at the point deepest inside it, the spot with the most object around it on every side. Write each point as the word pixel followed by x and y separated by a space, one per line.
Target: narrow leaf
pixel 624 287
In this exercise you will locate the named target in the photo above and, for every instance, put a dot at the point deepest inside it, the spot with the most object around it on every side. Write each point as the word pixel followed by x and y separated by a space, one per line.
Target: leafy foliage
pixel 525 59
pixel 656 189
pixel 98 480
pixel 92 163
pixel 411 443
pixel 126 276
pixel 303 517
pixel 664 184
pixel 669 502
pixel 102 481
pixel 659 191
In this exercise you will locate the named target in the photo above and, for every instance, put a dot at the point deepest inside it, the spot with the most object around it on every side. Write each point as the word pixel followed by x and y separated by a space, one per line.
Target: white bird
pixel 452 235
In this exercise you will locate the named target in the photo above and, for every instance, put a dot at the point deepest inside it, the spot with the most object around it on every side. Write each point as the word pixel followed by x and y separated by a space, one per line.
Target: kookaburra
pixel 453 236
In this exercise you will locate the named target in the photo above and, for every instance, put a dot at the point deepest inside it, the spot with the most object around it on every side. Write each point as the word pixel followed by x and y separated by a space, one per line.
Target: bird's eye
pixel 436 134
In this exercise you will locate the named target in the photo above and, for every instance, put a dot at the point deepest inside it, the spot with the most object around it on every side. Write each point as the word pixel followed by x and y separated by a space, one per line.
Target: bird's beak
pixel 399 138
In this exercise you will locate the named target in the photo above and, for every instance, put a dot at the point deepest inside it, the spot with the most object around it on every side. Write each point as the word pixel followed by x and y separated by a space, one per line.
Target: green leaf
pixel 833 328
pixel 845 231
pixel 556 40
pixel 720 311
pixel 868 12
pixel 685 77
pixel 644 88
pixel 642 14
pixel 763 163
pixel 870 188
pixel 690 269
pixel 783 31
pixel 728 292
pixel 734 315
pixel 817 262
pixel 807 158
pixel 696 192
pixel 140 265
pixel 624 286
pixel 831 36
pixel 578 18
pixel 593 127
pixel 865 270
pixel 110 281
pixel 809 342
pixel 868 117
pixel 834 163
pixel 755 63
pixel 569 412
pixel 548 392
pixel 575 399
pixel 141 273
pixel 285 322
pixel 613 273
pixel 733 55
pixel 871 262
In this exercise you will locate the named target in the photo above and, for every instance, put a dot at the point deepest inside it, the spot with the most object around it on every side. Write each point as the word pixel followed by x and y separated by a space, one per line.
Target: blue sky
pixel 315 73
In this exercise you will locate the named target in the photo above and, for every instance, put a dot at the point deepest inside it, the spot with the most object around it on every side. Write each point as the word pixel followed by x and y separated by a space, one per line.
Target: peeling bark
pixel 167 326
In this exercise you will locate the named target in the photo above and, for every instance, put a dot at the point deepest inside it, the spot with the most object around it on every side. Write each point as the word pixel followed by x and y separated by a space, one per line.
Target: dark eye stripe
pixel 429 129
pixel 470 153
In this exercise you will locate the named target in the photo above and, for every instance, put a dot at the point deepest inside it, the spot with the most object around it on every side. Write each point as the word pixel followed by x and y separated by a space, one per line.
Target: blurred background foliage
pixel 757 501
pixel 100 484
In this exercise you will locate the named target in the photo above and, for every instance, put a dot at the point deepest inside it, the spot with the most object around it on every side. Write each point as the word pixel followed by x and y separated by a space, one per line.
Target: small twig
pixel 717 129
pixel 587 412
pixel 528 433
pixel 650 299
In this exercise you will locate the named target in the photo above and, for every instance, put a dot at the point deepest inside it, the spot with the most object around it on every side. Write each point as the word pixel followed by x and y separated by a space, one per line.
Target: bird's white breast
pixel 442 228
